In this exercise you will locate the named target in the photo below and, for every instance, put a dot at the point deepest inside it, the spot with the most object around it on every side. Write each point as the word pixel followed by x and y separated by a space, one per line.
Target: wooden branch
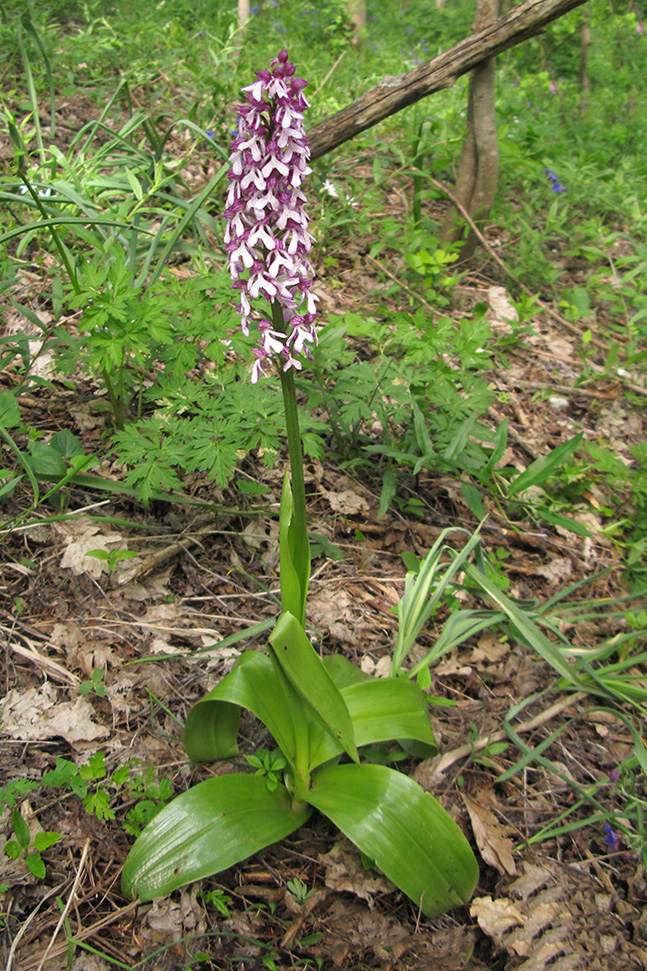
pixel 394 93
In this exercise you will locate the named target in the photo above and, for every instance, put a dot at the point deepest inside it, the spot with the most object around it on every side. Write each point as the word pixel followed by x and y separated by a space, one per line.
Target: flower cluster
pixel 556 184
pixel 266 236
pixel 611 839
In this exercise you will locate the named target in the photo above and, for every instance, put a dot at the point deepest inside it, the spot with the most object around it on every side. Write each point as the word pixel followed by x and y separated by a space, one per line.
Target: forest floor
pixel 153 624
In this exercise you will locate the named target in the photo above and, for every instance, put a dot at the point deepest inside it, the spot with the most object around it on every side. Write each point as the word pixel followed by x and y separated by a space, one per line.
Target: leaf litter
pixel 563 905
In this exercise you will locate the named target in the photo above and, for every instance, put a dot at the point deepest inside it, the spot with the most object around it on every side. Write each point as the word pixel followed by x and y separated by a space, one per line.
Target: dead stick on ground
pixel 161 556
pixel 88 932
pixel 24 926
pixel 70 901
pixel 328 76
pixel 463 751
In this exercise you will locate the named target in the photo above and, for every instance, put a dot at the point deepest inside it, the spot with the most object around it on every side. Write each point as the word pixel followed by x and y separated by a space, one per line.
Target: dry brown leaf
pixel 81 536
pixel 495 917
pixel 344 871
pixel 348 503
pixel 491 837
pixel 37 714
pixel 557 569
pixel 489 648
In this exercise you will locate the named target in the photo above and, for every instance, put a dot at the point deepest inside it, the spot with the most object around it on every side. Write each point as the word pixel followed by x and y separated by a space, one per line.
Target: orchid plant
pixel 323 713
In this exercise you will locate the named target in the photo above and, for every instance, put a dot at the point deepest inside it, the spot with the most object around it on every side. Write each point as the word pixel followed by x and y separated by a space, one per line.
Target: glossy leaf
pixel 207 829
pixel 342 671
pixel 391 819
pixel 382 710
pixel 308 675
pixel 211 728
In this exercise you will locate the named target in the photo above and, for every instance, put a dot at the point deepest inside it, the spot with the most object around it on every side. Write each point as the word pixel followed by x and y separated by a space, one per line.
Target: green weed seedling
pixel 100 792
pixel 84 781
pixel 216 898
pixel 299 890
pixel 32 850
pixel 15 791
pixel 95 683
pixel 111 557
pixel 270 765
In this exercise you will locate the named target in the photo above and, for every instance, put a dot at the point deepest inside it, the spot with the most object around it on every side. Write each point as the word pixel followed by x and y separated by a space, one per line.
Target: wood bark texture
pixel 479 163
pixel 394 93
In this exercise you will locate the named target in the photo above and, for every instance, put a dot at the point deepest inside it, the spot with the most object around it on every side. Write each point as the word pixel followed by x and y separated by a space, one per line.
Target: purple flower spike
pixel 266 236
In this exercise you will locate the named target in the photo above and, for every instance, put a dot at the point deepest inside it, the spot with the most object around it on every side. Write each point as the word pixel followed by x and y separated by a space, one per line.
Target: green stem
pixel 301 551
pixel 114 403
pixel 295 450
pixel 302 545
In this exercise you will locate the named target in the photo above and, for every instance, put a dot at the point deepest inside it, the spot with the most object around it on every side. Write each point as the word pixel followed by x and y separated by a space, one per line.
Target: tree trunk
pixel 243 17
pixel 479 163
pixel 357 11
pixel 584 59
pixel 394 93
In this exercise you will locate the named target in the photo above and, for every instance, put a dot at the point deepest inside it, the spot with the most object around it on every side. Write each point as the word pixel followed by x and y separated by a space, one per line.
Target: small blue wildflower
pixel 254 10
pixel 280 29
pixel 408 30
pixel 614 775
pixel 275 3
pixel 611 839
pixel 554 178
pixel 209 133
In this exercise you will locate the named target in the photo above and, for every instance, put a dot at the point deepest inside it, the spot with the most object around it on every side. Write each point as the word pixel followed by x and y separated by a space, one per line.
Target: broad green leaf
pixel 539 470
pixel 9 409
pixel 13 849
pixel 20 828
pixel 306 673
pixel 382 710
pixel 472 497
pixel 391 819
pixel 35 865
pixel 211 727
pixel 65 442
pixel 207 829
pixel 47 460
pixel 342 671
pixel 43 841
